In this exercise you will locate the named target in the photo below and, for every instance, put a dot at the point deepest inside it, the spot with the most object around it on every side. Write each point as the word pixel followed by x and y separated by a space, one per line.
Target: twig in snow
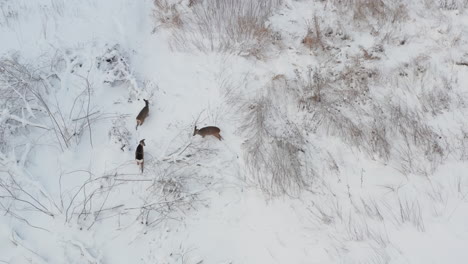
pixel 5 115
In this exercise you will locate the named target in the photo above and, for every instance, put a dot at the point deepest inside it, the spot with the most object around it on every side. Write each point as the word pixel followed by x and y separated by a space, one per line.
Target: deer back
pixel 144 112
pixel 209 130
pixel 139 153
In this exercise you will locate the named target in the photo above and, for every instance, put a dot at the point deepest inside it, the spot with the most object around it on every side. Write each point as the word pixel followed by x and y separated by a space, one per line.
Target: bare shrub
pixel 227 26
pixel 312 87
pixel 119 134
pixel 9 13
pixel 336 105
pixel 29 96
pixel 276 159
pixel 177 185
pixel 168 194
pixel 313 36
pixel 437 94
pixel 18 197
pixel 368 55
pixel 14 191
pixel 22 89
pixel 19 89
pixel 418 147
pixel 343 104
pixel 461 144
pixel 374 13
pixel 451 4
pixel 167 14
pixel 363 9
pixel 115 66
pixel 193 2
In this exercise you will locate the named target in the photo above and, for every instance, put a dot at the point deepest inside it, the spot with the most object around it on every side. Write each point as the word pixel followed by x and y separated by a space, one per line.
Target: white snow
pixel 72 193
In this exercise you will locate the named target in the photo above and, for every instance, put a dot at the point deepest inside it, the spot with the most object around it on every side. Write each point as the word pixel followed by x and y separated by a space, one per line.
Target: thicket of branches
pixel 32 96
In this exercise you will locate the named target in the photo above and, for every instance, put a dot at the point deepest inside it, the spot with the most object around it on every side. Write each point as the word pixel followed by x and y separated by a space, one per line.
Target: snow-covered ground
pixel 344 126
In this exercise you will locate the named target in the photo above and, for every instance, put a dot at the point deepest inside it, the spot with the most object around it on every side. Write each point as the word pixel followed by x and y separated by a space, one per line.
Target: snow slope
pixel 79 198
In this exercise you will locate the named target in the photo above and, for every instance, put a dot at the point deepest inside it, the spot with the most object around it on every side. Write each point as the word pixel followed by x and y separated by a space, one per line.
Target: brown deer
pixel 139 154
pixel 208 131
pixel 143 114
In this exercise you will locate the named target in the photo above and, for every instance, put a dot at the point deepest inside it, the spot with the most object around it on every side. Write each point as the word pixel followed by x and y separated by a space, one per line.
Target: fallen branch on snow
pixel 5 115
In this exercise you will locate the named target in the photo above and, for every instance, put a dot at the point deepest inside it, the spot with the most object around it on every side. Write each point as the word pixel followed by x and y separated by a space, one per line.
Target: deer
pixel 139 154
pixel 208 131
pixel 142 115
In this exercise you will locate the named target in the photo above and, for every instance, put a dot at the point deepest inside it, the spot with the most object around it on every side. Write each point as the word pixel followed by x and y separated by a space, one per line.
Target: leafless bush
pixel 9 13
pixel 275 157
pixel 312 87
pixel 353 82
pixel 461 144
pixel 173 189
pixel 167 14
pixel 343 104
pixel 375 13
pixel 177 187
pixel 420 150
pixel 227 26
pixel 451 4
pixel 314 37
pixel 335 103
pixel 114 64
pixel 15 197
pixel 119 134
pixel 29 96
pixel 435 101
pixel 20 86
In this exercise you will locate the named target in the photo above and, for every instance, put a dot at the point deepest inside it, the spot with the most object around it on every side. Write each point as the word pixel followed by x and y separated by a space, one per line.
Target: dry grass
pixel 344 104
pixel 373 13
pixel 313 37
pixel 276 161
pixel 227 26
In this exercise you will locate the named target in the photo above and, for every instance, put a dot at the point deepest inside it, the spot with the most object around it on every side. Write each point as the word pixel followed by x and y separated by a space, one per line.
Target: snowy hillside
pixel 344 125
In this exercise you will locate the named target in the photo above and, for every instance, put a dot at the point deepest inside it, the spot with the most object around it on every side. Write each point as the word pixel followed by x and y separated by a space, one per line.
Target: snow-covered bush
pixel 119 134
pixel 21 104
pixel 114 65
